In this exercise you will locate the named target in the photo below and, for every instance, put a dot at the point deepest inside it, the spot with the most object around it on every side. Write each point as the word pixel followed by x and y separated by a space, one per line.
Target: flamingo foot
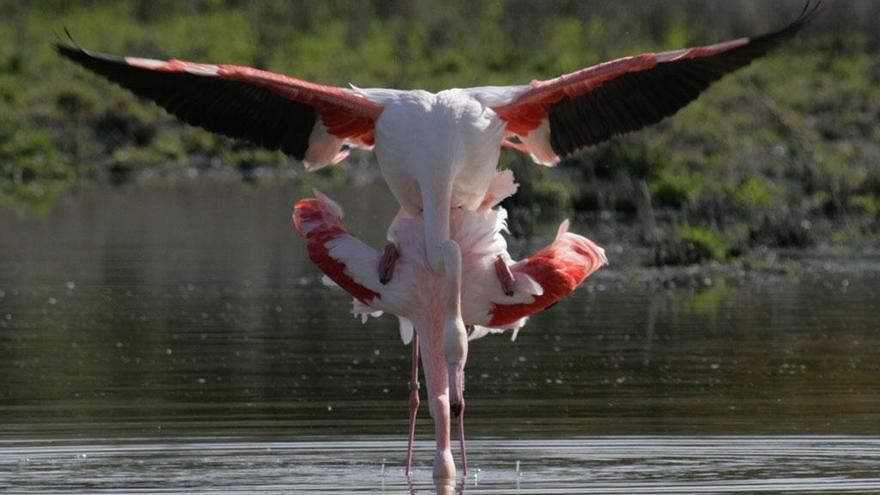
pixel 413 404
pixel 504 275
pixel 387 262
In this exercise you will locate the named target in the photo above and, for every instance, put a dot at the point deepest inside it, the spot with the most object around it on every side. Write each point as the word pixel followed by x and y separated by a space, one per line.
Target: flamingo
pixel 437 151
pixel 438 313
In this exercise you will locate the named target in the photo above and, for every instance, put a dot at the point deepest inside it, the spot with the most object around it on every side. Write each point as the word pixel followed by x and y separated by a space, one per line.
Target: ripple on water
pixel 630 464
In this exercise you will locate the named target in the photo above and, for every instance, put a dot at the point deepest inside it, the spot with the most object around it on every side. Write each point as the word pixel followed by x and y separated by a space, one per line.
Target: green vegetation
pixel 784 153
pixel 687 245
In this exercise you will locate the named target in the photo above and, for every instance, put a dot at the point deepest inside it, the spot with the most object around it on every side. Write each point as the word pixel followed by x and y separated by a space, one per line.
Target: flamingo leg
pixel 386 263
pixel 413 404
pixel 504 275
pixel 461 440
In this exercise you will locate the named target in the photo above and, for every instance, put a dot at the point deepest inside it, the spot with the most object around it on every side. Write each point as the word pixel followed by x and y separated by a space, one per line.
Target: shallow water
pixel 176 338
pixel 632 464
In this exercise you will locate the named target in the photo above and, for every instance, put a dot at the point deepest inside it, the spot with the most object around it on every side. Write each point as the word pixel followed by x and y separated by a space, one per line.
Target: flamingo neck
pixel 452 262
pixel 454 334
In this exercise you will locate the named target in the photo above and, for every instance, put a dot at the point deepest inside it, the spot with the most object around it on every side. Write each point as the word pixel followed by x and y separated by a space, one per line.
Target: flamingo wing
pixel 558 268
pixel 308 121
pixel 558 117
pixel 345 259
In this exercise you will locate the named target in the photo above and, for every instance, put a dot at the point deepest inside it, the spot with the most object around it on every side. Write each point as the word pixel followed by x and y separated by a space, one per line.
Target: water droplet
pixel 52 300
pixel 70 285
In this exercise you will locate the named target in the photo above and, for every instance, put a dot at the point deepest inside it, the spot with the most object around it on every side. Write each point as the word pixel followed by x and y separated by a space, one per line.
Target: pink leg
pixel 387 262
pixel 461 440
pixel 504 275
pixel 413 403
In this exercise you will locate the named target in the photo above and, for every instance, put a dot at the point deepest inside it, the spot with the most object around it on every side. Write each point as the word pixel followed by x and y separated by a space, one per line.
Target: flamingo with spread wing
pixel 437 151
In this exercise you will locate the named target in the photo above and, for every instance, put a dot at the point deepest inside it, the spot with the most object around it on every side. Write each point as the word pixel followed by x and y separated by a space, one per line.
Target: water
pixel 176 339
pixel 627 465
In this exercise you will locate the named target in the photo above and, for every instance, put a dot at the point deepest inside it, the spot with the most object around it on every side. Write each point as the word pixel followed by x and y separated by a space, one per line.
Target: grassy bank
pixel 784 153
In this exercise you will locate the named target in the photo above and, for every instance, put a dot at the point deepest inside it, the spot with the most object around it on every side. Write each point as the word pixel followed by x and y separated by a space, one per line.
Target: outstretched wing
pixel 555 118
pixel 308 121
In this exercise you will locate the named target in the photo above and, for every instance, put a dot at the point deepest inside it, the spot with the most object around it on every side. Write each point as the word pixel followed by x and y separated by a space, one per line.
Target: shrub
pixel 688 245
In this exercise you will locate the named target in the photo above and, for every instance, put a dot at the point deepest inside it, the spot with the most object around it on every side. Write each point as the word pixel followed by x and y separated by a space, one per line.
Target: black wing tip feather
pixel 231 108
pixel 579 122
pixel 807 15
pixel 71 52
pixel 69 48
pixel 84 57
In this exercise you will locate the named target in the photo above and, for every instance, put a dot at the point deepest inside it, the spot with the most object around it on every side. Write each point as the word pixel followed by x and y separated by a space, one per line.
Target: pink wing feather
pixel 319 222
pixel 558 268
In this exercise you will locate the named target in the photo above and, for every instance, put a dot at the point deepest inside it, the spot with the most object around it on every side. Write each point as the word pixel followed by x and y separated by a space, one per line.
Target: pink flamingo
pixel 437 151
pixel 440 313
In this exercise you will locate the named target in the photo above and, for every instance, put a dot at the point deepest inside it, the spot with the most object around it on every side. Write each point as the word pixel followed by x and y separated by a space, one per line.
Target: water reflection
pixel 191 312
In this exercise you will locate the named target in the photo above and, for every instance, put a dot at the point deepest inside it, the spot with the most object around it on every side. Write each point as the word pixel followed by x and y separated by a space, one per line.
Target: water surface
pixel 171 338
